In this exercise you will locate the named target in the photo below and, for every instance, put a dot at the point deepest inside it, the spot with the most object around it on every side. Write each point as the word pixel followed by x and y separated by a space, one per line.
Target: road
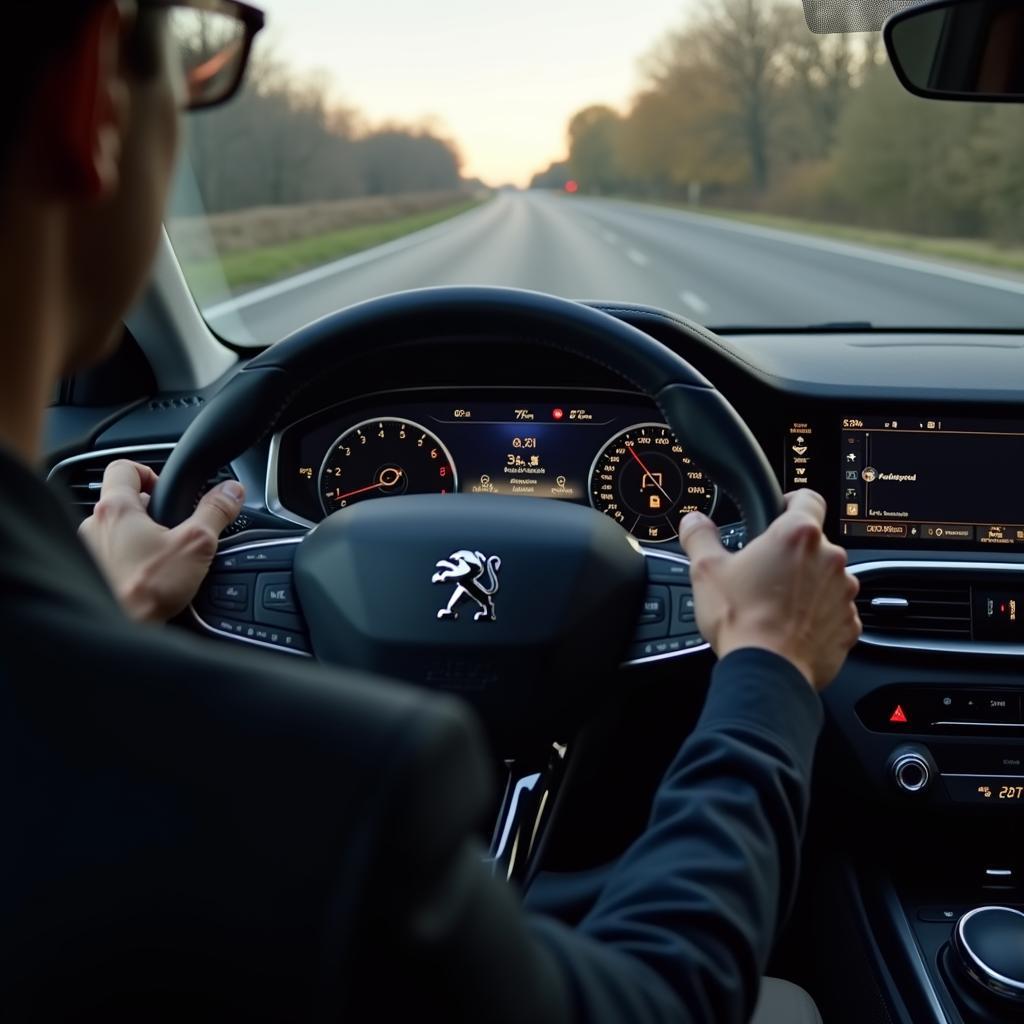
pixel 720 272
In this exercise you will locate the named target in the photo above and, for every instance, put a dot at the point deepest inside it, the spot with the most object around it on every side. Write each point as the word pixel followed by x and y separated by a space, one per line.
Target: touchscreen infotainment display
pixel 939 482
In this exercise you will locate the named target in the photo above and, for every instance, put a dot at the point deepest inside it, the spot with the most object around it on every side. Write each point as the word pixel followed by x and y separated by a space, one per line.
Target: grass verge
pixel 956 250
pixel 251 267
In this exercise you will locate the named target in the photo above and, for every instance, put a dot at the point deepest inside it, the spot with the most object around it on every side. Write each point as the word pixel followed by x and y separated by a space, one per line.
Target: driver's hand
pixel 154 571
pixel 787 591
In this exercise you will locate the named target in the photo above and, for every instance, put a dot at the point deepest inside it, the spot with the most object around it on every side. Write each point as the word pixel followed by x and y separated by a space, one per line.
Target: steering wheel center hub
pixel 518 605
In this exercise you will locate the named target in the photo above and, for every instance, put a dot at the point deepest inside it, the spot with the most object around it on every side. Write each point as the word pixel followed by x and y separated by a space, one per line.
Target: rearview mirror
pixel 960 49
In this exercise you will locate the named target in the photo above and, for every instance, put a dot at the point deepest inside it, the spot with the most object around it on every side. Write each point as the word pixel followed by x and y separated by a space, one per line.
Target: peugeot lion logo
pixel 466 568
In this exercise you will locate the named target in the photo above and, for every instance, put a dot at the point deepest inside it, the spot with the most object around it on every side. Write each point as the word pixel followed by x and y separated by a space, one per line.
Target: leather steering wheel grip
pixel 252 402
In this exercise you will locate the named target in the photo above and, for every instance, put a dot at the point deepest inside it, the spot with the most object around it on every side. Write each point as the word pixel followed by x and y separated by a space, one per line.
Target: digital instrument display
pixel 942 482
pixel 587 447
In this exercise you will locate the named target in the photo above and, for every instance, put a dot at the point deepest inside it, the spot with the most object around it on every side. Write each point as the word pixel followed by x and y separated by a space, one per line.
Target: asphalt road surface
pixel 720 272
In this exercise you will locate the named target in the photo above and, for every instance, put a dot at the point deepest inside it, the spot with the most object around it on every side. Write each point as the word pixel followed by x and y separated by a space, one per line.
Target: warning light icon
pixel 898 715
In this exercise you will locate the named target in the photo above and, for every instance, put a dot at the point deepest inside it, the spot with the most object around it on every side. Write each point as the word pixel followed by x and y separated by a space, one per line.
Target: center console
pixel 927 717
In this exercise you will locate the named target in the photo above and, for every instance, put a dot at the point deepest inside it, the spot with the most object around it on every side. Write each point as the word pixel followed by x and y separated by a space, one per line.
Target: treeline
pixel 282 141
pixel 744 107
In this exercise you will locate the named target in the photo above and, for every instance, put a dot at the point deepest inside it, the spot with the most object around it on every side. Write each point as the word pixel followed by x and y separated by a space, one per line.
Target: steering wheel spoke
pixel 250 596
pixel 528 800
pixel 667 624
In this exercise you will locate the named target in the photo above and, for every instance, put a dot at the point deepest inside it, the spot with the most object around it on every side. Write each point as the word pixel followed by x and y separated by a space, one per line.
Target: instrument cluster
pixel 606 448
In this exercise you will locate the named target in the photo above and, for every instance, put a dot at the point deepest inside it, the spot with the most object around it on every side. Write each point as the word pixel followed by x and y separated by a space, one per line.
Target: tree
pixel 744 41
pixel 284 141
pixel 594 148
pixel 908 163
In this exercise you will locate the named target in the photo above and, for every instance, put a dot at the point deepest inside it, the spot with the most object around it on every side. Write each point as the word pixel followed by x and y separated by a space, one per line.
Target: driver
pixel 193 833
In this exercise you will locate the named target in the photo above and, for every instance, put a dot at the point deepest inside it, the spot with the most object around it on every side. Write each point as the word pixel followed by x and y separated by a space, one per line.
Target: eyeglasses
pixel 212 40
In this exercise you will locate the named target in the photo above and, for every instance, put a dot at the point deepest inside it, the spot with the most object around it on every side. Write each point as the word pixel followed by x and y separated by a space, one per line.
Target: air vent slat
pixel 83 477
pixel 937 605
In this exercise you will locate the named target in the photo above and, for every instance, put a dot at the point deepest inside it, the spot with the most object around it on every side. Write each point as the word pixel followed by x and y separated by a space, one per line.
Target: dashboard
pixel 602 447
pixel 930 506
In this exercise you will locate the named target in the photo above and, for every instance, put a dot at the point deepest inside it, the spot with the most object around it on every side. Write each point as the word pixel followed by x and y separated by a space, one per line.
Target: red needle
pixel 361 490
pixel 647 472
pixel 372 487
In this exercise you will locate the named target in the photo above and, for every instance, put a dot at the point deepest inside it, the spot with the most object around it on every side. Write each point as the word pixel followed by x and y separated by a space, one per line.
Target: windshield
pixel 714 158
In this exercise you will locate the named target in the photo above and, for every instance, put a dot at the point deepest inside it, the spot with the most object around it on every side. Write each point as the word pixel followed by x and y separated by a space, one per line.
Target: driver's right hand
pixel 788 591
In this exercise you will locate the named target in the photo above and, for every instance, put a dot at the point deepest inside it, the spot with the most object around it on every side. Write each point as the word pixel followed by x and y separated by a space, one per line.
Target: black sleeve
pixel 683 928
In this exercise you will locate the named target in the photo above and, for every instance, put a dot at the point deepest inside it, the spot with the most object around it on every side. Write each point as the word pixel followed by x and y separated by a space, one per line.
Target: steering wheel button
pixel 277 595
pixel 654 615
pixel 279 556
pixel 275 601
pixel 655 606
pixel 661 570
pixel 230 597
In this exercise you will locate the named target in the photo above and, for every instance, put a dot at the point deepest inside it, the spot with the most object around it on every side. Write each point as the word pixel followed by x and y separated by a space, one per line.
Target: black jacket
pixel 194 832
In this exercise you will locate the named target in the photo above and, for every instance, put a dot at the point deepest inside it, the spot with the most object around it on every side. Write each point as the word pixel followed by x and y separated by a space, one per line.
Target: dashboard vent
pixel 82 476
pixel 923 604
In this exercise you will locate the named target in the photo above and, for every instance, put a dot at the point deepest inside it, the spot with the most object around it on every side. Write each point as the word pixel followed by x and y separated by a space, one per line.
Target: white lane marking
pixel 271 291
pixel 637 257
pixel 695 302
pixel 853 251
pixel 610 237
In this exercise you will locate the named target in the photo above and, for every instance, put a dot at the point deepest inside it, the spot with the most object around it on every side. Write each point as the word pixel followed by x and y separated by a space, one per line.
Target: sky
pixel 501 79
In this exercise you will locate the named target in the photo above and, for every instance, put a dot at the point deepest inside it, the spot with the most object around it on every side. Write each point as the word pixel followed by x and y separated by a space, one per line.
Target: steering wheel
pixel 552 592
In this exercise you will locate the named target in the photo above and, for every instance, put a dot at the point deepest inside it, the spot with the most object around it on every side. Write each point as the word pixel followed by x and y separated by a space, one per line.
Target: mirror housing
pixel 960 50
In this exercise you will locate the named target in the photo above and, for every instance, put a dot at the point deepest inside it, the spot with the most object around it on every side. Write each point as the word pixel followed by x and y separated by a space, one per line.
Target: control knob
pixel 988 946
pixel 912 769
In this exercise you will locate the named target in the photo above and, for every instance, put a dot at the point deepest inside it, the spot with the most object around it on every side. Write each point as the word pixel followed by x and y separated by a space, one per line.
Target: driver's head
pixel 93 90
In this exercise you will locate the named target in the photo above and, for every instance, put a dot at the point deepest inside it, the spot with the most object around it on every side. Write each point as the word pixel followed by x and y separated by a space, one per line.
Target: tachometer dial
pixel 644 480
pixel 383 457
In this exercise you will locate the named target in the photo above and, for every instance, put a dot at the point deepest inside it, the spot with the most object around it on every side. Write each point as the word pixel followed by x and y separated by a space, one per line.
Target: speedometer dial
pixel 644 480
pixel 384 457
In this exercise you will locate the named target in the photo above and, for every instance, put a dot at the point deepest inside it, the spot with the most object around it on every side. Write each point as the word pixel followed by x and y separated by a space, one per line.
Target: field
pixel 229 252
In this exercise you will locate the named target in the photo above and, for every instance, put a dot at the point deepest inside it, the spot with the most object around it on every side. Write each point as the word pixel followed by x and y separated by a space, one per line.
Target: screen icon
pixel 655 501
pixel 851 474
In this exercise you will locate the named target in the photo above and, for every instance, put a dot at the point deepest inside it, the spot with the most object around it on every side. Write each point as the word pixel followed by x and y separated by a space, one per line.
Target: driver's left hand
pixel 154 571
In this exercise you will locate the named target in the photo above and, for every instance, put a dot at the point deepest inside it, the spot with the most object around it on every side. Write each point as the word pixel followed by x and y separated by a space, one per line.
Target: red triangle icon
pixel 899 715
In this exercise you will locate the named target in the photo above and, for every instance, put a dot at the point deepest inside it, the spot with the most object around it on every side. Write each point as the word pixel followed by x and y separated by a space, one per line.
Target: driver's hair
pixel 37 34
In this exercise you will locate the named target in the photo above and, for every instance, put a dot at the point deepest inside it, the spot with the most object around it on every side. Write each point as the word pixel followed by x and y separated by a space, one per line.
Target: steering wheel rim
pixel 531 659
pixel 251 404
pixel 362 586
